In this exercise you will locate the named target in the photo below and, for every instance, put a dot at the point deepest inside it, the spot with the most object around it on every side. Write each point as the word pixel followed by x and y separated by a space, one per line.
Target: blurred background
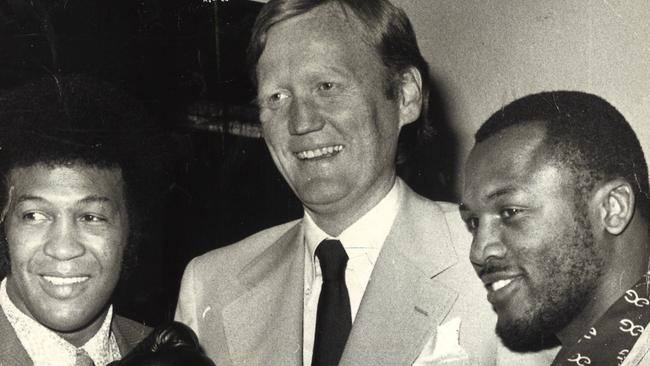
pixel 184 59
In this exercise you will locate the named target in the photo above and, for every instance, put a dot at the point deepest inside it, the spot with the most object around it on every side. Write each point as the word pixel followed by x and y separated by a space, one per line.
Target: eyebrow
pixel 94 199
pixel 501 192
pixel 85 200
pixel 496 194
pixel 27 197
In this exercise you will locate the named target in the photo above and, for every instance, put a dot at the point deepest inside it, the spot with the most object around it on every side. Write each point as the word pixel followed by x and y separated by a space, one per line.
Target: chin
pixel 321 193
pixel 525 334
pixel 71 317
pixel 66 322
pixel 66 325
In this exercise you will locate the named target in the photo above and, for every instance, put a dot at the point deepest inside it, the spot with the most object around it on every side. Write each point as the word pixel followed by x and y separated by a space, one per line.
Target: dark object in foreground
pixel 171 344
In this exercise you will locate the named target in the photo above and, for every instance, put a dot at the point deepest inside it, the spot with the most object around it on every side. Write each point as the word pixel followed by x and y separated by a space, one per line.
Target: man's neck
pixel 625 269
pixel 334 221
pixel 80 337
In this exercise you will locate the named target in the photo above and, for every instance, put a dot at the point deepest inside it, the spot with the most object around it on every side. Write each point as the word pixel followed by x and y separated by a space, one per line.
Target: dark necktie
pixel 333 319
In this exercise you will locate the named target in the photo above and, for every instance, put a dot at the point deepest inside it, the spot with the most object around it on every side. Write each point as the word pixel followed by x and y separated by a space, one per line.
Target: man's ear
pixel 616 204
pixel 410 96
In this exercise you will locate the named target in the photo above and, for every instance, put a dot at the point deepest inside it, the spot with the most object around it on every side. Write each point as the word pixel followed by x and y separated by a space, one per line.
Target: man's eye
pixel 509 212
pixel 277 98
pixel 273 101
pixel 472 223
pixel 92 218
pixel 34 216
pixel 326 86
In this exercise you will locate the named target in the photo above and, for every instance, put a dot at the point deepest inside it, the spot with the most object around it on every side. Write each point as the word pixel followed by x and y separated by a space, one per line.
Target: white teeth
pixel 316 153
pixel 500 284
pixel 60 281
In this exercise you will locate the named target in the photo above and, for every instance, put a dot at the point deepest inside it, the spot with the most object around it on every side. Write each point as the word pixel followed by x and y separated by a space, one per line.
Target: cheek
pixel 546 258
pixel 107 247
pixel 378 124
pixel 274 134
pixel 530 250
pixel 113 255
pixel 522 248
pixel 266 116
pixel 23 246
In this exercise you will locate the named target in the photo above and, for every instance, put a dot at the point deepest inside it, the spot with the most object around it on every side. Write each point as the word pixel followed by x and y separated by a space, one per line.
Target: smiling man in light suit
pixel 373 274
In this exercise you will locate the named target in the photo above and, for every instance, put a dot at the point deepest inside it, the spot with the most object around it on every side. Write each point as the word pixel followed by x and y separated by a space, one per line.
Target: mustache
pixel 495 266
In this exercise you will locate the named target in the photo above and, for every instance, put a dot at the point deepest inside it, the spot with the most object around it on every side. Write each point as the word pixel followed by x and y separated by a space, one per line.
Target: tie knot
pixel 333 260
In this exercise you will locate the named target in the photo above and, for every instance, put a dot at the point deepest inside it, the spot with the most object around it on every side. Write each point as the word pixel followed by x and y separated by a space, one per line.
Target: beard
pixel 569 274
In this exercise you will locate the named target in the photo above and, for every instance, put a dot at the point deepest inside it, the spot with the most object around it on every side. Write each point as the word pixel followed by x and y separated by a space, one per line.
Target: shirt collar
pixel 45 347
pixel 368 233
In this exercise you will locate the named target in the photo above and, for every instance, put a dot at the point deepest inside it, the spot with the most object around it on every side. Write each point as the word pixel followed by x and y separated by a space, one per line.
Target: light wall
pixel 485 53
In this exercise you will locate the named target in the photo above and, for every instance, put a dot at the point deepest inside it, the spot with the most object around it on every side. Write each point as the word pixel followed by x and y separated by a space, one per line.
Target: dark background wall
pixel 185 61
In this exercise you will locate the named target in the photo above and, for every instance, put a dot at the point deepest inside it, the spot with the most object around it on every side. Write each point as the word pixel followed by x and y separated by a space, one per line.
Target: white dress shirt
pixel 46 348
pixel 362 241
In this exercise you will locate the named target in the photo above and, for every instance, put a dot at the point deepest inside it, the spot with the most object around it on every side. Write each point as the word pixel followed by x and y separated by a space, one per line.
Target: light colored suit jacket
pixel 127 334
pixel 245 301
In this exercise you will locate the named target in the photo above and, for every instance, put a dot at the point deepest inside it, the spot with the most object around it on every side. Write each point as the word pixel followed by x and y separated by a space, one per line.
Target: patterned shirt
pixel 46 348
pixel 612 337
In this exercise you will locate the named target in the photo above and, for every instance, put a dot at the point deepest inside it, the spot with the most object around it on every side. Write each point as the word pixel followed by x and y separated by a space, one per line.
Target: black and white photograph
pixel 324 182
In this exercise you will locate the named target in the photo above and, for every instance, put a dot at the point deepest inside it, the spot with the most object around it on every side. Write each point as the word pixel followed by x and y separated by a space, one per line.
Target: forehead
pixel 66 182
pixel 324 35
pixel 509 162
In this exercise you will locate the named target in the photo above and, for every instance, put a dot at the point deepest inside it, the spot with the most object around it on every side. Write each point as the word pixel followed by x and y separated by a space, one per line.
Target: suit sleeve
pixel 187 302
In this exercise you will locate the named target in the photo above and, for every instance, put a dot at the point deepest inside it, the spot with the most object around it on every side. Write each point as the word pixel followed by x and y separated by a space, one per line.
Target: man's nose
pixel 63 242
pixel 487 244
pixel 304 117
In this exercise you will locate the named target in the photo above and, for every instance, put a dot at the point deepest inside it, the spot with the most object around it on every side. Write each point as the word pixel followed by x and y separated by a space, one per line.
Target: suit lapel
pixel 403 303
pixel 264 325
pixel 12 352
pixel 128 333
pixel 123 344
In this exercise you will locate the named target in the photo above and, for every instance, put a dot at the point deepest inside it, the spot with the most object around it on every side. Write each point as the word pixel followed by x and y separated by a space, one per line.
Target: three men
pixel 556 196
pixel 373 274
pixel 69 160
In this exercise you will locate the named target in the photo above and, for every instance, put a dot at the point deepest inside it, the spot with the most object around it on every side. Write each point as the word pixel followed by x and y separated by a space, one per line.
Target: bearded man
pixel 556 197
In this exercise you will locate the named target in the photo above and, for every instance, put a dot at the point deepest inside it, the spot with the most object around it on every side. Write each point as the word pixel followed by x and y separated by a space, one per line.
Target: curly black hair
pixel 75 119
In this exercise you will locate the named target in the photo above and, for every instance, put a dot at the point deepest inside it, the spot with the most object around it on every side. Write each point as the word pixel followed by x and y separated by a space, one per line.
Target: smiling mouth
pixel 65 281
pixel 322 152
pixel 498 285
pixel 501 289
